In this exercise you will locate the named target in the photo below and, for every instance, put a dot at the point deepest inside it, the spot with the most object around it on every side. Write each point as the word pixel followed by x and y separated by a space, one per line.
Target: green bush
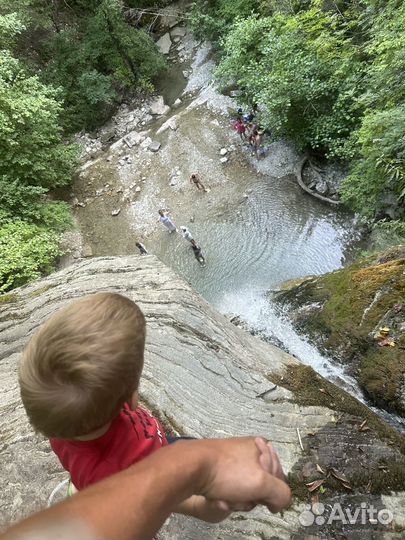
pixel 28 251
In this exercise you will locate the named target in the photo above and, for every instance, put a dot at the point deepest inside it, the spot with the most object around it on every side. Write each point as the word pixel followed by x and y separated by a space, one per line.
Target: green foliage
pixel 33 160
pixel 95 59
pixel 328 75
pixel 211 19
pixel 31 149
pixel 10 27
pixel 27 252
pixel 377 179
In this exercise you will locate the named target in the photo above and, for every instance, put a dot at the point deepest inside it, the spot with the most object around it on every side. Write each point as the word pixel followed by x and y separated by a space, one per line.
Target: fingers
pixel 235 507
pixel 268 458
pixel 276 494
pixel 265 456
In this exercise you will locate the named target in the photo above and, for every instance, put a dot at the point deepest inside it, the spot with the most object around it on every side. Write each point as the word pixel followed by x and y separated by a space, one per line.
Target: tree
pixel 27 252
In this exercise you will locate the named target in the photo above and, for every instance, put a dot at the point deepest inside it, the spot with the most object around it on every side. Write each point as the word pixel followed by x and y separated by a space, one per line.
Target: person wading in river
pixel 196 180
pixel 141 248
pixel 198 253
pixel 186 233
pixel 166 221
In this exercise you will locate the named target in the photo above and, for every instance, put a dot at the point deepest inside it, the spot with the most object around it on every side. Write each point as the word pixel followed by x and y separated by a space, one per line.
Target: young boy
pixel 79 379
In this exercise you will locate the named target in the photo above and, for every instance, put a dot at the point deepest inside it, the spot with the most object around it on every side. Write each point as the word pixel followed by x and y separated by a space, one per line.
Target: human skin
pixel 136 502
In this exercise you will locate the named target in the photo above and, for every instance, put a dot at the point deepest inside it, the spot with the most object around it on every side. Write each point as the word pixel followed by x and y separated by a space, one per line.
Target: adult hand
pixel 237 471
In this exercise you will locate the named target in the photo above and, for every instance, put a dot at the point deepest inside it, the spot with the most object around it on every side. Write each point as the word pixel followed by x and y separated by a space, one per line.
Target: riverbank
pixel 357 317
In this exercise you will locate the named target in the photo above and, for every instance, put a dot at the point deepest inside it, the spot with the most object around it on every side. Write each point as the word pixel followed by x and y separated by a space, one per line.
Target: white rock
pixel 121 162
pixel 137 189
pixel 108 159
pixel 177 103
pixel 164 43
pixel 171 123
pixel 146 142
pixel 116 212
pixel 133 138
pixel 158 106
pixel 223 159
pixel 154 146
pixel 178 31
pixel 223 151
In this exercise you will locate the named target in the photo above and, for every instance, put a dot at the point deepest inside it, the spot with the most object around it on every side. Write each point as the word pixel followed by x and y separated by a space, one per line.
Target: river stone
pixel 171 123
pixel 107 135
pixel 321 187
pixel 133 139
pixel 158 107
pixel 204 377
pixel 146 142
pixel 154 146
pixel 87 251
pixel 178 31
pixel 164 43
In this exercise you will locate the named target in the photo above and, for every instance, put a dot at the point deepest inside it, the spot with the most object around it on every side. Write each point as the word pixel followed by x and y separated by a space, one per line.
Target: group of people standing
pixel 249 131
pixel 166 221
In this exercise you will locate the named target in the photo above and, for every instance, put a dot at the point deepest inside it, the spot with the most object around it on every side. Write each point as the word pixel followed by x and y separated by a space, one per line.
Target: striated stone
pixel 204 377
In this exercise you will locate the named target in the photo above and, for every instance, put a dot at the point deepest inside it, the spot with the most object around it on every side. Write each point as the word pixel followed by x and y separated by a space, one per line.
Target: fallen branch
pixel 298 176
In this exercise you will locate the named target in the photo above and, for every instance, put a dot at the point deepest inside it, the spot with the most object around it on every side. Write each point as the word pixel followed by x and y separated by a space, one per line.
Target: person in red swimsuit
pixel 79 379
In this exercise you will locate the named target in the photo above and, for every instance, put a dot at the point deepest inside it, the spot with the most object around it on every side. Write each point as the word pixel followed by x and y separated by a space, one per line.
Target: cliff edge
pixel 204 377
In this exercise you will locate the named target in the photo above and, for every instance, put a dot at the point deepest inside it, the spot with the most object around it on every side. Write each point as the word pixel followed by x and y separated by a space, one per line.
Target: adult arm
pixel 136 502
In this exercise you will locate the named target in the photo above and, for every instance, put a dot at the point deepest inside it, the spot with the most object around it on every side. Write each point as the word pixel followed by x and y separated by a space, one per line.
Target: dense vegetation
pixel 64 66
pixel 326 74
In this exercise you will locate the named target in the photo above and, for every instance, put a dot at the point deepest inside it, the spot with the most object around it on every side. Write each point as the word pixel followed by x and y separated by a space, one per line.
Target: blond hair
pixel 82 365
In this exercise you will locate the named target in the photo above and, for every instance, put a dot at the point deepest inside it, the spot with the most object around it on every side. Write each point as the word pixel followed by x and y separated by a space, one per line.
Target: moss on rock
pixel 351 305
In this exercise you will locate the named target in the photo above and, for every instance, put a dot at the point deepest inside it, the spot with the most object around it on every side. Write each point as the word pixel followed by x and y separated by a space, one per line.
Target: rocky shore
pixel 357 316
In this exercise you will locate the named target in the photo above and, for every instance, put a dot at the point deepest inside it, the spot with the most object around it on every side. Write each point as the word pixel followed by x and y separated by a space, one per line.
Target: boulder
pixel 154 146
pixel 204 377
pixel 158 107
pixel 171 123
pixel 178 31
pixel 107 135
pixel 133 139
pixel 164 43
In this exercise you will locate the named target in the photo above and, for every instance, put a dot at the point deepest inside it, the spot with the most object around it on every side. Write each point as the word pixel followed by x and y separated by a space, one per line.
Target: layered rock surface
pixel 204 377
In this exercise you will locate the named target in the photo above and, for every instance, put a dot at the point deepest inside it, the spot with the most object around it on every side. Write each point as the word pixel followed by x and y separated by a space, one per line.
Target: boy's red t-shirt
pixel 132 436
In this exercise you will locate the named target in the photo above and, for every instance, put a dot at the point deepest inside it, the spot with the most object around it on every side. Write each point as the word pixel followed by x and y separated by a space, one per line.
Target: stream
pixel 256 227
